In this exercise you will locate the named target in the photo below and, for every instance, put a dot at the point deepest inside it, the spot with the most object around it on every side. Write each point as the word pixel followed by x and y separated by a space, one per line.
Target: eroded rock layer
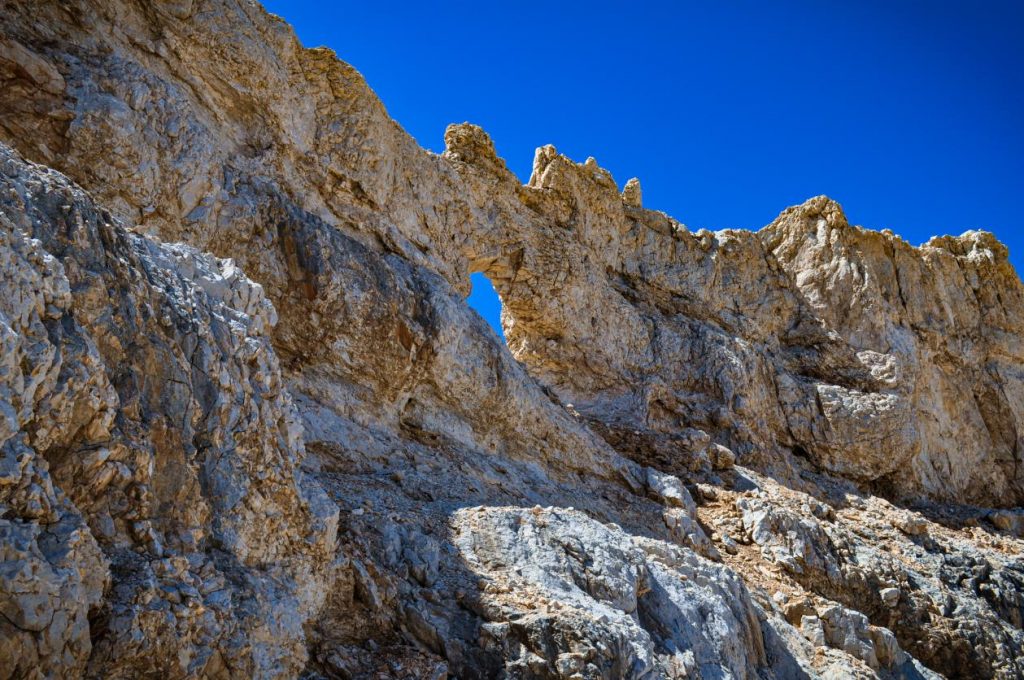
pixel 793 453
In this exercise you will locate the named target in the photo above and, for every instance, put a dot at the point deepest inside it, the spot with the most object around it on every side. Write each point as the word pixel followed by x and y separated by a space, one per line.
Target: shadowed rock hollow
pixel 250 428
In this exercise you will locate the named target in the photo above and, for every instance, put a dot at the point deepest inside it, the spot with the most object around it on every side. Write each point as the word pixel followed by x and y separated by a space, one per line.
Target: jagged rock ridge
pixel 728 454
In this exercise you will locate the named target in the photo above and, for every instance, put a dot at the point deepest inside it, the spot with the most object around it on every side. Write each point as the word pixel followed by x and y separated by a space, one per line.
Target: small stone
pixel 1009 521
pixel 811 628
pixel 731 546
pixel 890 596
pixel 911 524
pixel 795 609
pixel 721 457
pixel 669 491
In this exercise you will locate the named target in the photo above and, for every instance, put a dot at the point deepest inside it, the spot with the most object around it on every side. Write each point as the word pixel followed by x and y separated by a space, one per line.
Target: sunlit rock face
pixel 151 454
pixel 250 428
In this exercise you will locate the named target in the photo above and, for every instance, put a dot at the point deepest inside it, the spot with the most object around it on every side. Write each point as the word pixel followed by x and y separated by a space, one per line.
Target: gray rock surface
pixel 154 513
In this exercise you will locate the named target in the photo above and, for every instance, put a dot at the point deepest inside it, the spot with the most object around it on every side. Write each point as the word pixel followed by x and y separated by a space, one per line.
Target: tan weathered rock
pixel 632 194
pixel 940 328
pixel 149 451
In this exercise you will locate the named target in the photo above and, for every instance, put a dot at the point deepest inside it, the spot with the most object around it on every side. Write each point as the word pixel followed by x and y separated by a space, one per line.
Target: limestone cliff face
pixel 150 453
pixel 946 321
pixel 784 454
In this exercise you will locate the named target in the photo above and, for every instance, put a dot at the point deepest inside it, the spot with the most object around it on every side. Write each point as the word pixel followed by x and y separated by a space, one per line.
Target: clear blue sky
pixel 910 114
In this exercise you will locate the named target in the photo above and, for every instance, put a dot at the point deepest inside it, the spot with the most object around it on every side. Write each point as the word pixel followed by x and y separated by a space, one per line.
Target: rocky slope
pixel 786 454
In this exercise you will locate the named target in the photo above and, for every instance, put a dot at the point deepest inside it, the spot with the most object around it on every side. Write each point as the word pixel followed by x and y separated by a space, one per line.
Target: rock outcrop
pixel 150 454
pixel 793 453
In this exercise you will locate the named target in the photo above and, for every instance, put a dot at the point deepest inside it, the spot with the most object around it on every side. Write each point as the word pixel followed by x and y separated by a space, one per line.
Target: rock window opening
pixel 484 299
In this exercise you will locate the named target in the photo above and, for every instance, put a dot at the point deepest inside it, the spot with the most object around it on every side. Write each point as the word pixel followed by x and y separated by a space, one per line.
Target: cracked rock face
pixel 250 428
pixel 603 604
pixel 154 513
pixel 938 327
